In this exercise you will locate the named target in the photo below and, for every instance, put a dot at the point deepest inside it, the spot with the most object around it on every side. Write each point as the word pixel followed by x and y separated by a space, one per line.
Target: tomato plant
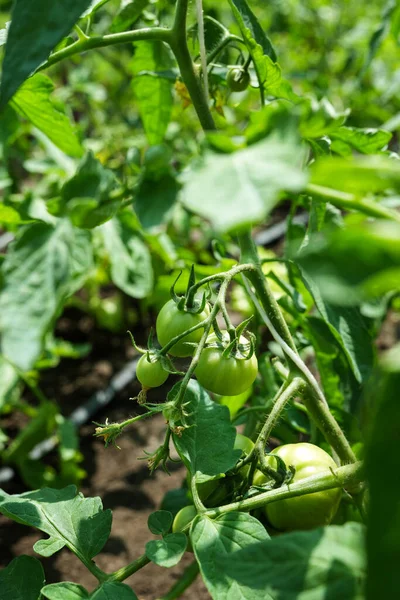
pixel 257 234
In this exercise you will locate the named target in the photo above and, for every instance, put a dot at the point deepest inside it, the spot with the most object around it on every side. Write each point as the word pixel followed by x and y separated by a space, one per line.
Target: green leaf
pixel 111 590
pixel 36 28
pixel 128 14
pixel 319 118
pixel 382 467
pixel 39 428
pixel 131 268
pixel 313 565
pixel 379 34
pixel 374 268
pixel 42 268
pixel 216 540
pixel 366 141
pixel 8 215
pixel 168 551
pixel 22 579
pixel 33 102
pixel 160 522
pixel 73 591
pixel 87 198
pixel 67 517
pixel 207 444
pixel 4 33
pixel 361 175
pixel 65 591
pixel 348 327
pixel 326 355
pixel 155 200
pixel 9 380
pixel 153 94
pixel 251 28
pixel 235 190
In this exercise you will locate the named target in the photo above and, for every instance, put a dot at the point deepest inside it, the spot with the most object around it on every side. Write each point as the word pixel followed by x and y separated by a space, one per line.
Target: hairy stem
pixel 191 79
pixel 289 391
pixel 257 278
pixel 314 399
pixel 130 569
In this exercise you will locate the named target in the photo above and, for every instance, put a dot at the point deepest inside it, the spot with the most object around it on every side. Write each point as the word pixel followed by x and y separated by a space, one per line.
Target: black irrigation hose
pixel 102 398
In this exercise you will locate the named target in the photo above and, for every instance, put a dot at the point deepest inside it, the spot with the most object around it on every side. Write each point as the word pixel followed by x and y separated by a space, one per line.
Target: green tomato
pixel 311 510
pixel 182 518
pixel 228 376
pixel 238 79
pixel 172 321
pixel 150 374
pixel 242 442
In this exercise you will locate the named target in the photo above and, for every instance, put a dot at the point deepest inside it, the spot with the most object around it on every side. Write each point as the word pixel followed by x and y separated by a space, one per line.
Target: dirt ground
pixel 117 476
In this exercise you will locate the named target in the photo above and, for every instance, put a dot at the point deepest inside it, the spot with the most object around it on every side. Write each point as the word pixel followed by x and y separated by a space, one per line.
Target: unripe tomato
pixel 150 374
pixel 311 510
pixel 182 518
pixel 227 376
pixel 172 321
pixel 238 79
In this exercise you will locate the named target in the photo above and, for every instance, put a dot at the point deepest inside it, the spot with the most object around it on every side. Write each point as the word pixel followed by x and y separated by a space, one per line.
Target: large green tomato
pixel 150 374
pixel 172 321
pixel 227 376
pixel 182 518
pixel 311 510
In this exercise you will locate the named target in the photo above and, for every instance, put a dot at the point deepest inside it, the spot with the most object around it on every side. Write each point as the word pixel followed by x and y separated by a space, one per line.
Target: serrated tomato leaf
pixel 35 29
pixel 22 579
pixel 168 551
pixel 235 190
pixel 206 445
pixel 43 267
pixel 66 516
pixel 33 102
pixel 215 543
pixel 310 565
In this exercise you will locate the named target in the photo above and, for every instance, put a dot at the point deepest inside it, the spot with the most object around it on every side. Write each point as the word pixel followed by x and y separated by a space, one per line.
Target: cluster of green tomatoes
pixel 227 367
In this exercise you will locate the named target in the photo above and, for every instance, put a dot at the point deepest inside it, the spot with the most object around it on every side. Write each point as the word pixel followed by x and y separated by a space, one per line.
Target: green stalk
pixel 191 79
pixel 248 254
pixel 130 569
pixel 349 475
pixel 270 313
pixel 89 43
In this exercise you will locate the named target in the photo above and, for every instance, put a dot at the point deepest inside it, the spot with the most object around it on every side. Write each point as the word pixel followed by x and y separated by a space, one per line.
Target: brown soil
pixel 117 476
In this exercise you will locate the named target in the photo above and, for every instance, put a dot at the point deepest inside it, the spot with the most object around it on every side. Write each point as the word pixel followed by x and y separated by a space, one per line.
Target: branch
pixel 340 477
pixel 82 45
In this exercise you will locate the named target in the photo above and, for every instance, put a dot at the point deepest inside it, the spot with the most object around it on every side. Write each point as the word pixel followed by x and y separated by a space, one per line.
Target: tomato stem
pixel 327 480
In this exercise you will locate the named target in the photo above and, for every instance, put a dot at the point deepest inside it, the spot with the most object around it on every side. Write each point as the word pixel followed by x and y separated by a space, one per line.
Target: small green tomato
pixel 150 373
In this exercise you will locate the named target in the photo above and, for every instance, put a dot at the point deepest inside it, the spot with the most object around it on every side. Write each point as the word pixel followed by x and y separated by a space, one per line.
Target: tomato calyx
pixel 233 343
pixel 189 302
